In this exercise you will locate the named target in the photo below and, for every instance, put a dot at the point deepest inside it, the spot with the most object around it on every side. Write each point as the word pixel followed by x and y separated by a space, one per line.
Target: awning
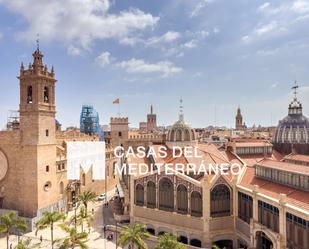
pixel 120 191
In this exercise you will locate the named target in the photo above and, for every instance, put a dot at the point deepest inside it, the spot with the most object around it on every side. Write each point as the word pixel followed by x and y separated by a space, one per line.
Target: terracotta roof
pixel 253 144
pixel 295 197
pixel 291 167
pixel 297 157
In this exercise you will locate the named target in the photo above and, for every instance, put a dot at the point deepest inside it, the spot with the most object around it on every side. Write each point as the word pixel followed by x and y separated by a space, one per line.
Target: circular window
pixel 47 186
pixel 3 165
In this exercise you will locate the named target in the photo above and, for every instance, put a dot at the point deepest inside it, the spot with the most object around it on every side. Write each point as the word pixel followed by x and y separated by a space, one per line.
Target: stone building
pixel 292 133
pixel 265 206
pixel 239 125
pixel 33 176
pixel 151 121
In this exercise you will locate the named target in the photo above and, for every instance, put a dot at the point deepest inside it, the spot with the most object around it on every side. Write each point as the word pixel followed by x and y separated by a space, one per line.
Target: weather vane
pixel 38 41
pixel 295 87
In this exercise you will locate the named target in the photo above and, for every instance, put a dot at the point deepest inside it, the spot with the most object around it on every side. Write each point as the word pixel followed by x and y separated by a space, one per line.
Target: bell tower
pixel 37 102
pixel 238 120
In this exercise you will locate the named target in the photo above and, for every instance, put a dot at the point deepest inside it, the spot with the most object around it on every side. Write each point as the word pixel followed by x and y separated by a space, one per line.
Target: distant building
pixel 89 120
pixel 292 133
pixel 151 120
pixel 239 125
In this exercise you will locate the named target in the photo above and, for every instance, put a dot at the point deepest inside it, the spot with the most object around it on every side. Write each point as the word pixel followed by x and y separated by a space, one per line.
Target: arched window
pixel 196 243
pixel 46 94
pixel 192 135
pixel 84 180
pixel 178 135
pixel 196 204
pixel 29 95
pixel 220 201
pixel 151 195
pixel 182 199
pixel 166 195
pixel 61 188
pixel 172 135
pixel 139 195
pixel 187 135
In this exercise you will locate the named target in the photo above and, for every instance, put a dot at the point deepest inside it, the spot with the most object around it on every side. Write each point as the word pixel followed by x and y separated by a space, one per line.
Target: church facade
pixel 33 168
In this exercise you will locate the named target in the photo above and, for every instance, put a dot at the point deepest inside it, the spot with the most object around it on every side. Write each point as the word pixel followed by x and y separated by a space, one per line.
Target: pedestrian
pixel 41 238
pixel 11 246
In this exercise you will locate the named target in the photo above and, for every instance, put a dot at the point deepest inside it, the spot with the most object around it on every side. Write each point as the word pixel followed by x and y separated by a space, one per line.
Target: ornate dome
pixel 292 130
pixel 181 131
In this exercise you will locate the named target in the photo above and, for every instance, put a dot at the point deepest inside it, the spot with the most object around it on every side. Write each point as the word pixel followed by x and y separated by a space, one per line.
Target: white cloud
pixel 78 21
pixel 191 44
pixel 72 50
pixel 138 66
pixel 263 7
pixel 169 36
pixel 274 85
pixel 266 28
pixel 301 6
pixel 103 59
pixel 199 7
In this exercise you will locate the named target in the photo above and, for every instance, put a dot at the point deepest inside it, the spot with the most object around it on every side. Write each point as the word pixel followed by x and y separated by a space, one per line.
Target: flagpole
pixel 119 110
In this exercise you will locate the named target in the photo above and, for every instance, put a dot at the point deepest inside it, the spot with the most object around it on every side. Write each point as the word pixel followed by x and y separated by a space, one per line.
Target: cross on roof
pixel 295 87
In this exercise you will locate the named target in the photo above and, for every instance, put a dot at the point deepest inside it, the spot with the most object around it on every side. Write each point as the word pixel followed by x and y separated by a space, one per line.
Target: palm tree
pixel 133 235
pixel 86 197
pixel 81 217
pixel 168 240
pixel 26 244
pixel 48 220
pixel 214 246
pixel 74 239
pixel 10 221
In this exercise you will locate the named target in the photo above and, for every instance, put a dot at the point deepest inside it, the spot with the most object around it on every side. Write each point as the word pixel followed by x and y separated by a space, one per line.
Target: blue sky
pixel 215 54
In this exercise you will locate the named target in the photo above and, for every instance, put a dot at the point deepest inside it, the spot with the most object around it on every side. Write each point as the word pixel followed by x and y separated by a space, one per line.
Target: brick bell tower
pixel 38 137
pixel 37 102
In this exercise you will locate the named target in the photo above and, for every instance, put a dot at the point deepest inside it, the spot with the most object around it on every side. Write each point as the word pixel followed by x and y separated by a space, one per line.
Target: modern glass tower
pixel 89 120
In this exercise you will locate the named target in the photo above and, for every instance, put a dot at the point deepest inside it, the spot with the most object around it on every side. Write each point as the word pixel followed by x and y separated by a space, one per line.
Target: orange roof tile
pixel 285 166
pixel 295 197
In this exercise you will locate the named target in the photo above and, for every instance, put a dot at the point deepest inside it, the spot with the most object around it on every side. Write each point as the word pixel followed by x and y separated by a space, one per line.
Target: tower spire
pixel 181 116
pixel 38 41
pixel 294 88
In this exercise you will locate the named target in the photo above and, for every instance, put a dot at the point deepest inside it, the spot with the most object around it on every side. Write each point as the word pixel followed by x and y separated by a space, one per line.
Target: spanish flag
pixel 116 101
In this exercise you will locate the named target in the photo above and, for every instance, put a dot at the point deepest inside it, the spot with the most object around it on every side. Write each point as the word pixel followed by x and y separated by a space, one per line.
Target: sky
pixel 214 54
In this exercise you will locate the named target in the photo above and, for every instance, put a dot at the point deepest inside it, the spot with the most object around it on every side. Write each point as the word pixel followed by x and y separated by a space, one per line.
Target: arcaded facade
pixel 265 206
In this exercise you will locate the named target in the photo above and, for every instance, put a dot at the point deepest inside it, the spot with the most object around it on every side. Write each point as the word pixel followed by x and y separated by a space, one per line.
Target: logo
pixel 85 156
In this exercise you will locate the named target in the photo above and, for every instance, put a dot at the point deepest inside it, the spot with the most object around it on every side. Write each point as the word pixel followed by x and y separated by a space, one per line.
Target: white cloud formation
pixel 72 50
pixel 199 7
pixel 169 36
pixel 278 19
pixel 191 44
pixel 301 6
pixel 267 28
pixel 78 21
pixel 139 66
pixel 103 59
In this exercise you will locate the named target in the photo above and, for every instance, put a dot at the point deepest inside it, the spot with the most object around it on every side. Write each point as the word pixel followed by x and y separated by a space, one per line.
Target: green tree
pixel 133 235
pixel 86 197
pixel 10 221
pixel 26 244
pixel 168 240
pixel 214 246
pixel 74 238
pixel 82 217
pixel 48 220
